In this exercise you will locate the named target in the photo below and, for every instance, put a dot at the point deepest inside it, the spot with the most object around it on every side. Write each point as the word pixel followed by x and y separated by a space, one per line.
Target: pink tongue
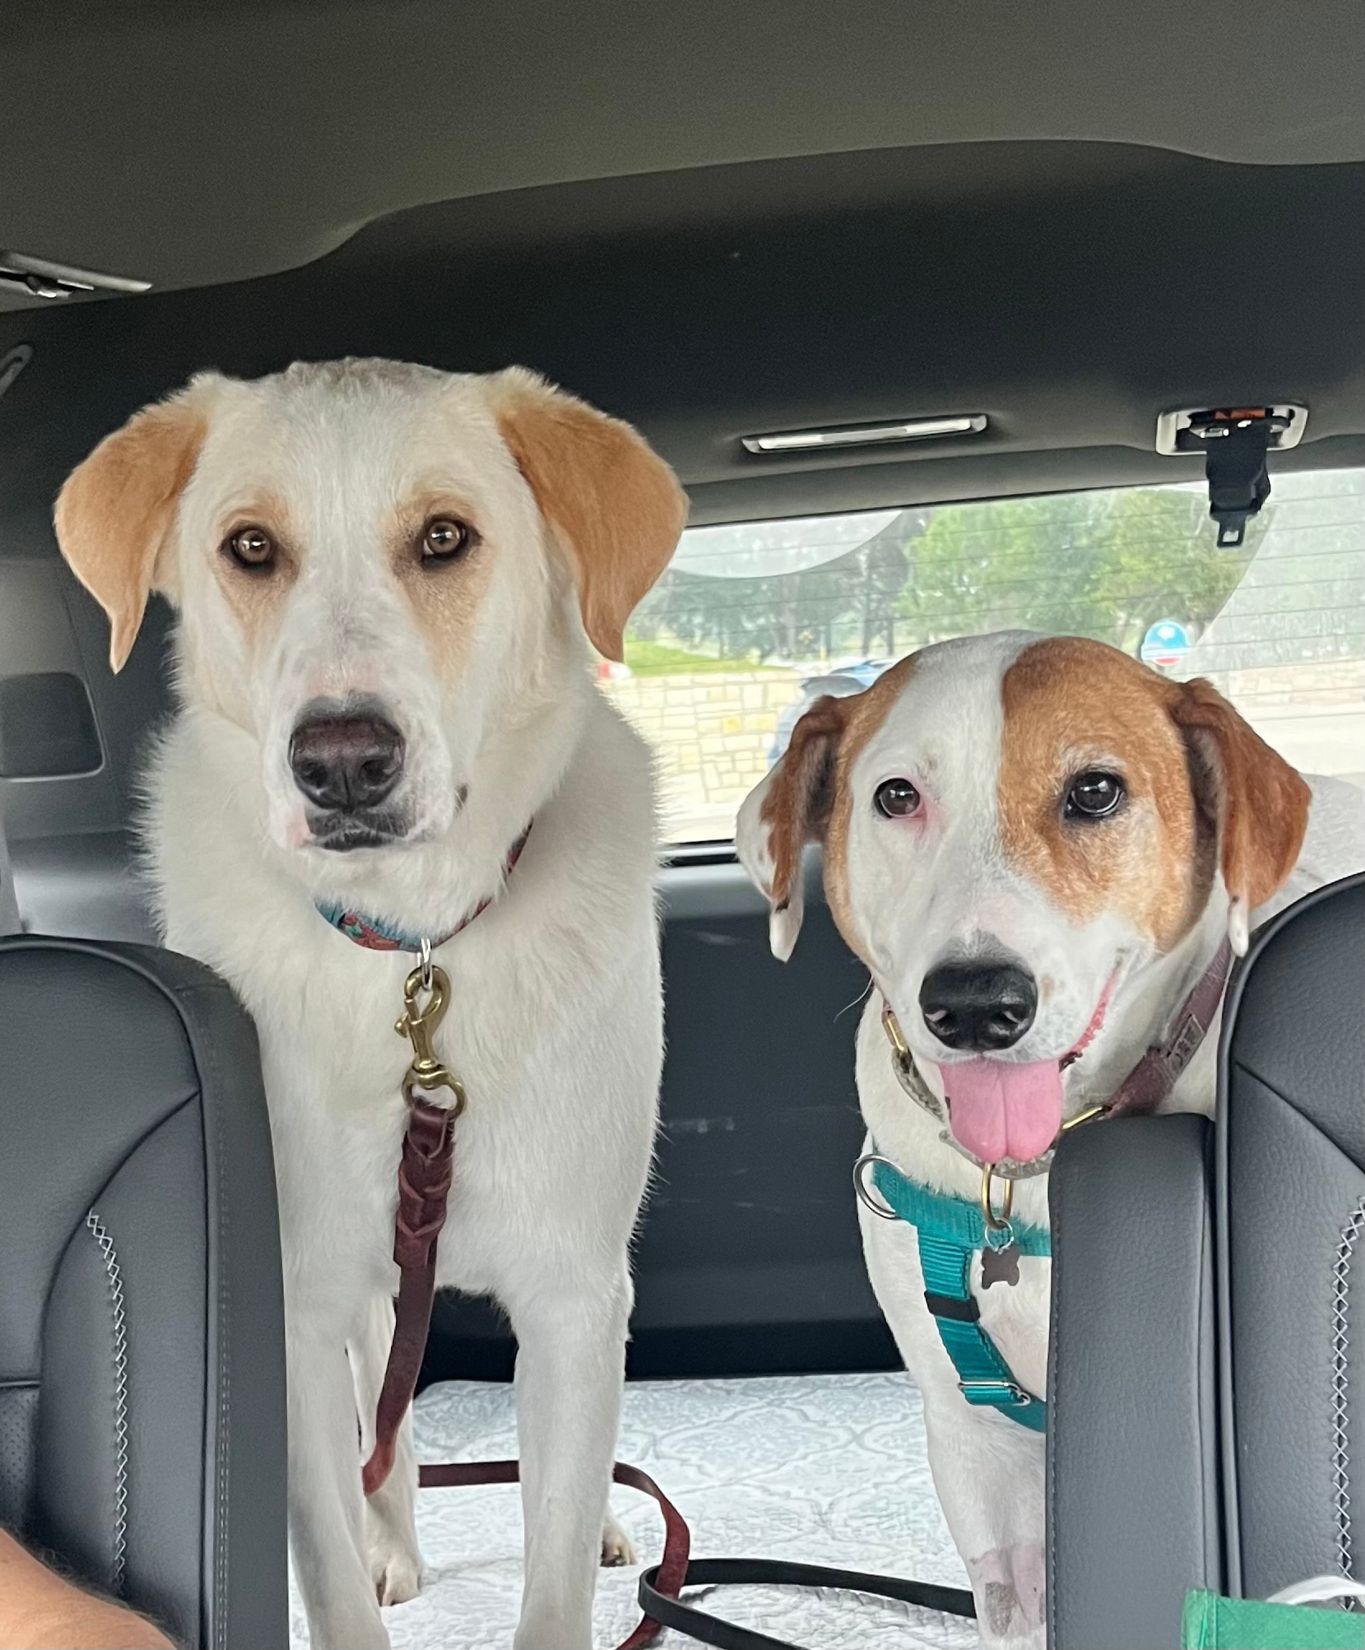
pixel 998 1110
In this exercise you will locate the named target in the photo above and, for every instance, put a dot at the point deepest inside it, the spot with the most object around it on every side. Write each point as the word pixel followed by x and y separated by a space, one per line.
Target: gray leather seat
pixel 1207 1390
pixel 142 1399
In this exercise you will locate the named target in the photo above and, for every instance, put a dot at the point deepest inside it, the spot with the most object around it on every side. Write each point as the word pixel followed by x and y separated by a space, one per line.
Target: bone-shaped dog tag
pixel 1000 1265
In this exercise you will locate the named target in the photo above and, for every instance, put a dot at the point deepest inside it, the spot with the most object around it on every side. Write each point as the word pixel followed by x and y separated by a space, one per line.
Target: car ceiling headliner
pixel 211 141
pixel 711 219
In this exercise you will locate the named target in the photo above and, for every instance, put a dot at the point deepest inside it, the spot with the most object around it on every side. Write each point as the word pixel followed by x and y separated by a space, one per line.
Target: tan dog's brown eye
pixel 1094 795
pixel 897 799
pixel 445 539
pixel 252 548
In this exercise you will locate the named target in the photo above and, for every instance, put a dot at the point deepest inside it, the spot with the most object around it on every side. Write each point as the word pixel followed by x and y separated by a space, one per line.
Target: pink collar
pixel 1156 1073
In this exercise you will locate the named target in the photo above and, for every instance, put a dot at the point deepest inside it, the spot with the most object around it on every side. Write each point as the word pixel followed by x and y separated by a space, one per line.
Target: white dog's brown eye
pixel 1094 795
pixel 897 798
pixel 251 547
pixel 446 539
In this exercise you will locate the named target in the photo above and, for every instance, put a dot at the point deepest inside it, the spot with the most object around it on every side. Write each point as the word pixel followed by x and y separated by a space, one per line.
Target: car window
pixel 752 622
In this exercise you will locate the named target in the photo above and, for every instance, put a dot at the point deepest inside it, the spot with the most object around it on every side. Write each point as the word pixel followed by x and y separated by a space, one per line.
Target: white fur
pixel 555 1018
pixel 918 888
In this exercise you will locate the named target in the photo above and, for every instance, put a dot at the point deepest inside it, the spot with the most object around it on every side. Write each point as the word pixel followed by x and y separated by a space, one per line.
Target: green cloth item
pixel 1215 1623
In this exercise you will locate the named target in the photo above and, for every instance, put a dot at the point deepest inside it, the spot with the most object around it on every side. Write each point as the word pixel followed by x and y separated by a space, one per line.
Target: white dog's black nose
pixel 978 1005
pixel 346 763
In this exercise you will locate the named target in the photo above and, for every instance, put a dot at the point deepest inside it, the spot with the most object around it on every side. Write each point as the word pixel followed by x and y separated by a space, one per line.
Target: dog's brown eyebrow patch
pixel 1070 703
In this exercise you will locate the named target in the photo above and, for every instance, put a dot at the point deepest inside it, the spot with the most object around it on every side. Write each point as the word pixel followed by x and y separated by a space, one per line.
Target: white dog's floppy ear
pixel 115 513
pixel 784 812
pixel 1259 803
pixel 614 504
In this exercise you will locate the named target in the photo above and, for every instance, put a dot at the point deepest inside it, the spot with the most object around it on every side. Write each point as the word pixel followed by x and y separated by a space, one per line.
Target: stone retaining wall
pixel 713 732
pixel 1324 682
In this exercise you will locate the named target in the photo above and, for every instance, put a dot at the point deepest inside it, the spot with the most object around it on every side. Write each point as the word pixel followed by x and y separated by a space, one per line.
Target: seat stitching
pixel 215 1159
pixel 109 1255
pixel 1054 1398
pixel 1341 1349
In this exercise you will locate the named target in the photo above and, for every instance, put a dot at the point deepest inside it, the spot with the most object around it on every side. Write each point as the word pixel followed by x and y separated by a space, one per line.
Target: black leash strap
pixel 772 1572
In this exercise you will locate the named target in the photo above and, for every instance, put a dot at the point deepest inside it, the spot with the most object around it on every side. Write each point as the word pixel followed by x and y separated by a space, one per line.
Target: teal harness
pixel 951 1232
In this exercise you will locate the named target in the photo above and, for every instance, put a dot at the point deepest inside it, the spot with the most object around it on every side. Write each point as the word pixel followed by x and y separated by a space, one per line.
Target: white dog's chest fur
pixel 553 1027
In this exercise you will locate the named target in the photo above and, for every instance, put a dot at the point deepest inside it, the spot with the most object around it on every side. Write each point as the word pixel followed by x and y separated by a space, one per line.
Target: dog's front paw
pixel 395 1563
pixel 617 1547
pixel 397 1578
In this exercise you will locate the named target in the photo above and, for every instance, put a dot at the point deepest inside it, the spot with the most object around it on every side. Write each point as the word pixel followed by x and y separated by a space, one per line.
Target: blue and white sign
pixel 1165 644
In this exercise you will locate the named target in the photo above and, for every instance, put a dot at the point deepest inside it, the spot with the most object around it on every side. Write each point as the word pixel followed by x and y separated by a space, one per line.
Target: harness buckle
pixel 417 1023
pixel 997 1394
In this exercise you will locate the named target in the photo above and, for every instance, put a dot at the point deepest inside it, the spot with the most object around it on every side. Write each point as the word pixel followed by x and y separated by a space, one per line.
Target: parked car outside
pixel 840 683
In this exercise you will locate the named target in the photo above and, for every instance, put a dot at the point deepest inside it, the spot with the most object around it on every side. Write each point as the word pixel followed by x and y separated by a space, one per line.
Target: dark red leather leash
pixel 666 1578
pixel 425 1173
pixel 425 1170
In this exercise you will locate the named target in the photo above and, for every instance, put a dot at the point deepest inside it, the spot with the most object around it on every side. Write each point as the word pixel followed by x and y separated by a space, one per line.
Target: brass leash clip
pixel 996 1224
pixel 900 1049
pixel 417 1023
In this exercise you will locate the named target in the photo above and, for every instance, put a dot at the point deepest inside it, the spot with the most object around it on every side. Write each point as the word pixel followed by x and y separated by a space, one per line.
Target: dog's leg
pixel 571 1336
pixel 989 1475
pixel 326 1515
pixel 617 1547
pixel 390 1513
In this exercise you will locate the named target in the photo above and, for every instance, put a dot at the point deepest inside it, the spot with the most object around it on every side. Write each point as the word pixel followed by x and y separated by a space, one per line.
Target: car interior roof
pixel 1068 221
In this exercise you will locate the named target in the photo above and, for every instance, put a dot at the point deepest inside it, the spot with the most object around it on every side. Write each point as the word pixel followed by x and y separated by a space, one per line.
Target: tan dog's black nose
pixel 981 1006
pixel 346 763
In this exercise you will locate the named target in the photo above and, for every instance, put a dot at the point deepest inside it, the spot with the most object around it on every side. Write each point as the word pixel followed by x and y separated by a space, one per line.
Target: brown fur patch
pixel 1072 704
pixel 810 798
pixel 1259 801
pixel 1196 774
pixel 796 807
pixel 614 504
pixel 114 515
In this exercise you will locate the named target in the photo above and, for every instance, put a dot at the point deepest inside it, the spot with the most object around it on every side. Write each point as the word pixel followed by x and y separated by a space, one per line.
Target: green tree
pixel 1105 565
pixel 1102 564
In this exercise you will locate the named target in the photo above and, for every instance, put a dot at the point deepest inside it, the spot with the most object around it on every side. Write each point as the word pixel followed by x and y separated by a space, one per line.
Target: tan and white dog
pixel 1036 845
pixel 384 575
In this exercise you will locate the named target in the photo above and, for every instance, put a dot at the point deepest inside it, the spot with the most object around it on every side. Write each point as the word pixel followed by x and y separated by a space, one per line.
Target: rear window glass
pixel 752 622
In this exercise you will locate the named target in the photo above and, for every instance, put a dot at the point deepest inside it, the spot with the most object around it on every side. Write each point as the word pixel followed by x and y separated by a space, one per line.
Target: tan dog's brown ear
pixel 614 504
pixel 1258 802
pixel 785 811
pixel 115 513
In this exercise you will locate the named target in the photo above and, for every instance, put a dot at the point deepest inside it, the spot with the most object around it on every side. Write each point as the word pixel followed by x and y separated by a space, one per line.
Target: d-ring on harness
pixel 435 1099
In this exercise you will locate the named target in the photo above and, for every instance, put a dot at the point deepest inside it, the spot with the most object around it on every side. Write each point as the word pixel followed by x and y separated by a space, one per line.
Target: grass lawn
pixel 660 659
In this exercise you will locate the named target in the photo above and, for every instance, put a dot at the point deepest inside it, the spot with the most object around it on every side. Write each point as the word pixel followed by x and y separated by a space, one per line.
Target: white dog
pixel 1038 847
pixel 384 574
